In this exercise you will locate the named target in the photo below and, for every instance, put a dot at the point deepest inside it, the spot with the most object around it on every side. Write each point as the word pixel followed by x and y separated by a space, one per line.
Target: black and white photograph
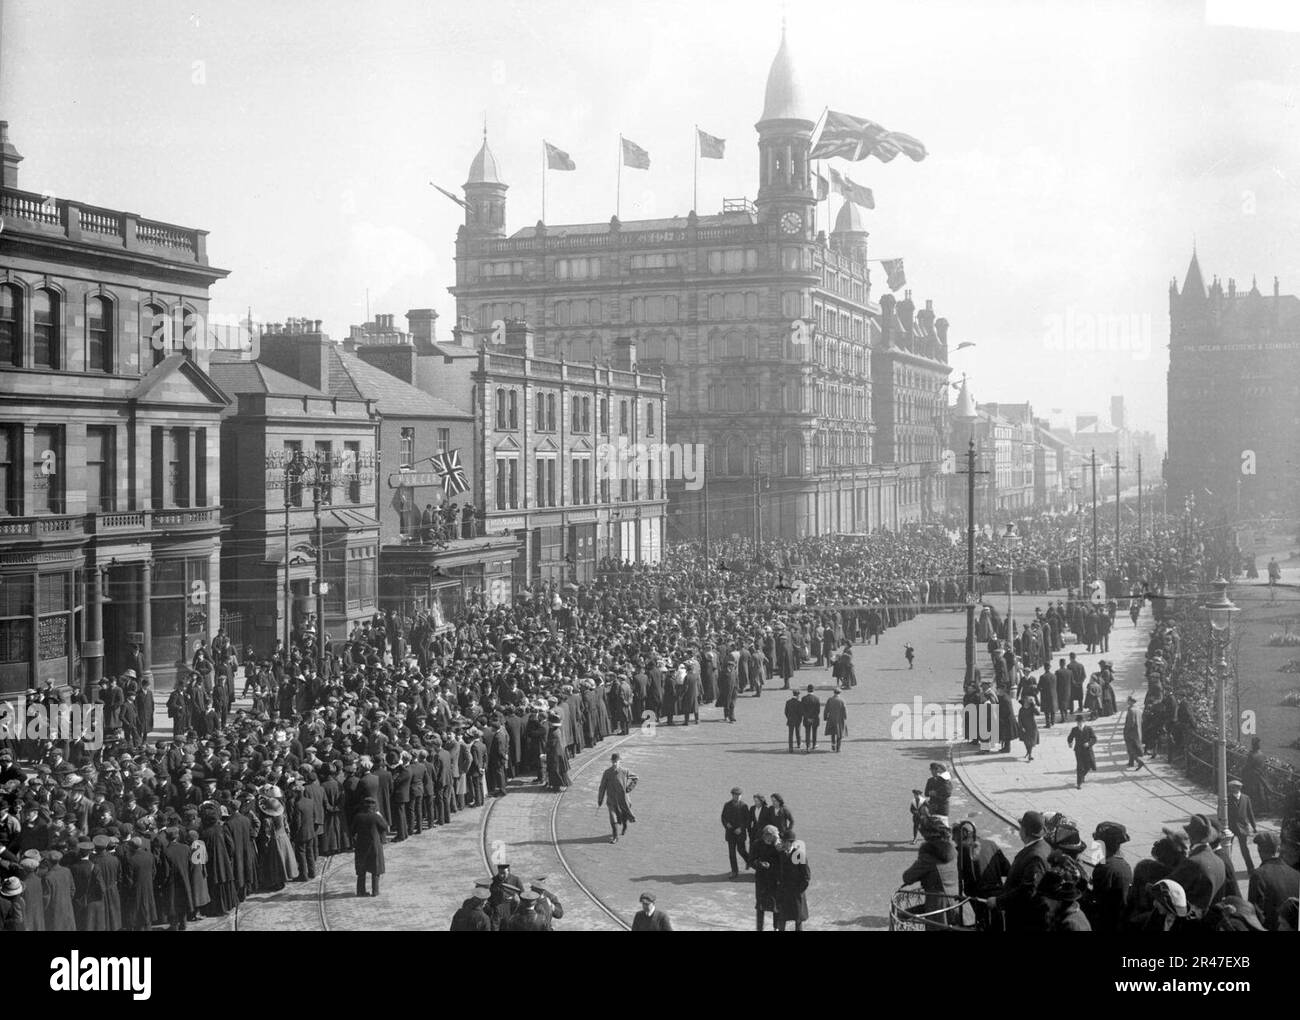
pixel 429 429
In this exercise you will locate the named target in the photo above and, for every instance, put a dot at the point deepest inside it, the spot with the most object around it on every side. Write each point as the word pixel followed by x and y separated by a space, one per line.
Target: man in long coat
pixel 688 693
pixel 836 714
pixel 557 760
pixel 1133 735
pixel 368 828
pixel 615 785
pixel 140 907
pixel 1082 738
pixel 103 898
pixel 56 883
pixel 177 897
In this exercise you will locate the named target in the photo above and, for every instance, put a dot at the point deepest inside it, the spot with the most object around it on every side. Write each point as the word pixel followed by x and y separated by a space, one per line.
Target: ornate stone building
pixel 1234 394
pixel 762 326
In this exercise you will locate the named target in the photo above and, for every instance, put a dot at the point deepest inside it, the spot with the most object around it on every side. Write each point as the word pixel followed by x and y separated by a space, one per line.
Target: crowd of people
pixel 1061 880
pixel 408 721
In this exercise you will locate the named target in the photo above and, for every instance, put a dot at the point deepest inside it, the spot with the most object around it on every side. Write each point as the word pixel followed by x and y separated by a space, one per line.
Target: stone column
pixel 146 616
pixel 92 648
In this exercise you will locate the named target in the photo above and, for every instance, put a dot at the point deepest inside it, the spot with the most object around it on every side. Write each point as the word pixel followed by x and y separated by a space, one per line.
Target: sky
pixel 1076 150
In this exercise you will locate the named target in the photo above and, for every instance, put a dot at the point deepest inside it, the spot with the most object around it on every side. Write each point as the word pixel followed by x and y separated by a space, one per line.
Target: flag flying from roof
pixel 894 275
pixel 634 156
pixel 823 187
pixel 858 194
pixel 557 159
pixel 856 138
pixel 455 198
pixel 448 465
pixel 913 148
pixel 846 136
pixel 711 147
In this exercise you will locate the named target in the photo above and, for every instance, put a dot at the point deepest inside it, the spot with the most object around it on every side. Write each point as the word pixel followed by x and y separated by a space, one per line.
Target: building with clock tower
pixel 761 325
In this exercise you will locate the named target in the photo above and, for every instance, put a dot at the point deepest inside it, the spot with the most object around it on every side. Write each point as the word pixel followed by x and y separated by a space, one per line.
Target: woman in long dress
pixel 1028 726
pixel 198 874
pixel 276 862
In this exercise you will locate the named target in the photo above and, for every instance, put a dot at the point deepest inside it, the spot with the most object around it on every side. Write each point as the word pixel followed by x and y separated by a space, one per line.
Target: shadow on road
pixel 690 879
pixel 875 846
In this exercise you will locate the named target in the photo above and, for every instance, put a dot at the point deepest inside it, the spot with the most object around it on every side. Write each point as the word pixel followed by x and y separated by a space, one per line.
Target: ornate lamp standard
pixel 1011 537
pixel 1220 611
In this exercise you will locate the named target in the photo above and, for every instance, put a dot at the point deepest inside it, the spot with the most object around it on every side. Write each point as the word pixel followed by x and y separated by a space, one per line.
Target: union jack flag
pixel 448 465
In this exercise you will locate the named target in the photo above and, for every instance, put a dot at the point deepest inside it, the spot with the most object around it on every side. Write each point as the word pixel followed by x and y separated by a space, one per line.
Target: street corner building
pixel 819 409
pixel 109 467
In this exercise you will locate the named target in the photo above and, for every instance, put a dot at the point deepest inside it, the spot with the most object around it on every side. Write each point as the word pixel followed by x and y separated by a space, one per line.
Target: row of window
pixel 319 478
pixel 406 445
pixel 45 327
pixel 178 469
pixel 507 413
pixel 508 489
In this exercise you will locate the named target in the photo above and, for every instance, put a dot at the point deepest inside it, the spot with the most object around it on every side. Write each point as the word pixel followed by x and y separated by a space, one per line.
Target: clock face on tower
pixel 791 222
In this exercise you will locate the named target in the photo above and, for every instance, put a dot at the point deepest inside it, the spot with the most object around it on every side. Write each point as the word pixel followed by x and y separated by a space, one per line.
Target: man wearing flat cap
pixel 1273 883
pixel 737 816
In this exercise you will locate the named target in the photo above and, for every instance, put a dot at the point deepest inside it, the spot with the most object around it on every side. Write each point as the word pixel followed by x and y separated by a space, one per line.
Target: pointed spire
pixel 965 410
pixel 783 99
pixel 1194 283
pixel 484 169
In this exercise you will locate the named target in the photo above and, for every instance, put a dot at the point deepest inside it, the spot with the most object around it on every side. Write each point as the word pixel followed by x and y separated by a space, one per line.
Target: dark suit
pixel 1202 876
pixel 1017 899
pixel 737 816
pixel 1241 822
pixel 1271 885
pixel 812 716
pixel 793 719
pixel 401 802
pixel 658 921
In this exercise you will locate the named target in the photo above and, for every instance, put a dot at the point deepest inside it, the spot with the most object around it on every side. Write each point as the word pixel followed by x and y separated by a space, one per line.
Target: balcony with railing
pixel 43 526
pixel 31 213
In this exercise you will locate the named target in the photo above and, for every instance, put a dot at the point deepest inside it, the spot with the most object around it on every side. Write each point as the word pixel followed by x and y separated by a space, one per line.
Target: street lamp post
pixel 1220 611
pixel 293 470
pixel 1011 537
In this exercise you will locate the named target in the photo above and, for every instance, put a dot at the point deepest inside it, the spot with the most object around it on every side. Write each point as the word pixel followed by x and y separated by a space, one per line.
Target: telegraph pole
pixel 1139 499
pixel 704 495
pixel 970 474
pixel 1094 512
pixel 1117 505
pixel 320 561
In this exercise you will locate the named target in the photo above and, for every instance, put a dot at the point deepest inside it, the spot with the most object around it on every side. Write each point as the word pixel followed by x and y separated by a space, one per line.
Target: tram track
pixel 488 847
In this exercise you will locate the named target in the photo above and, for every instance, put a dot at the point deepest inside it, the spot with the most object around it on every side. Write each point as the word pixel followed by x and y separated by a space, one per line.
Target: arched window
pixel 189 332
pixel 517 311
pixel 99 335
pixel 649 418
pixel 45 335
pixel 716 306
pixel 550 412
pixel 735 345
pixel 733 306
pixel 654 309
pixel 11 326
pixel 501 408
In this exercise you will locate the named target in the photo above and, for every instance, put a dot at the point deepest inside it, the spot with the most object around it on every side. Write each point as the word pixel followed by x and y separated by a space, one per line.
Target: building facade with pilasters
pixel 110 531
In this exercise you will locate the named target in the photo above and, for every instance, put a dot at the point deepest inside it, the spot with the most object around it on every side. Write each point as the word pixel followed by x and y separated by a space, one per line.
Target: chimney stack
pixel 519 339
pixel 422 322
pixel 10 156
pixel 625 354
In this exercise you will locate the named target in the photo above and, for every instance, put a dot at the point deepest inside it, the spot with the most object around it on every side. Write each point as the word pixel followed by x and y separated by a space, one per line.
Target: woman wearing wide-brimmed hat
pixel 275 858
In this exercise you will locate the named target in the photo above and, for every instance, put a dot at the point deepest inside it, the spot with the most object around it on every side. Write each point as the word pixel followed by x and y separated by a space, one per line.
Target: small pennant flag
pixel 894 275
pixel 558 159
pixel 858 194
pixel 711 147
pixel 823 188
pixel 455 198
pixel 448 465
pixel 634 156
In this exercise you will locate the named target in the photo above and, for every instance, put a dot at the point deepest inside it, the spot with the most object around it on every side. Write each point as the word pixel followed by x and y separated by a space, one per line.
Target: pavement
pixel 850 808
pixel 1145 801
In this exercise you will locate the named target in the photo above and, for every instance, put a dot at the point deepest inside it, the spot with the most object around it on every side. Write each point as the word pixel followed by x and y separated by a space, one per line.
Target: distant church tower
pixel 785 192
pixel 485 193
